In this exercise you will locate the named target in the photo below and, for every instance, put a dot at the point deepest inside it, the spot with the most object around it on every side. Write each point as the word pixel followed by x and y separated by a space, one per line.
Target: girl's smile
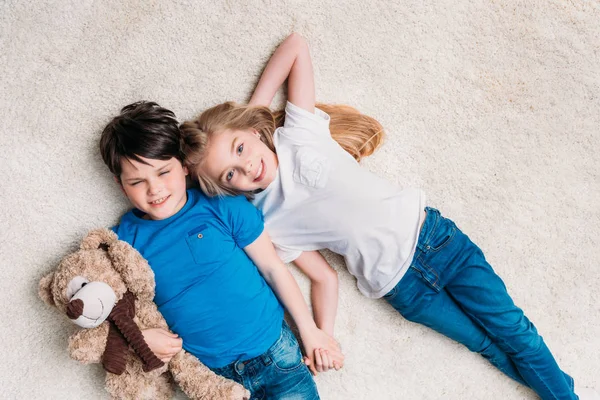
pixel 238 159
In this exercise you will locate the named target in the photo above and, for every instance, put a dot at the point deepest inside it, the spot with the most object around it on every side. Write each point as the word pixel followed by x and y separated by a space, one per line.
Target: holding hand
pixel 163 344
pixel 322 352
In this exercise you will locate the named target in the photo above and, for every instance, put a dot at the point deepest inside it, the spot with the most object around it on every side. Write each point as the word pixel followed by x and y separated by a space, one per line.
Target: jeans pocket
pixel 285 353
pixel 442 235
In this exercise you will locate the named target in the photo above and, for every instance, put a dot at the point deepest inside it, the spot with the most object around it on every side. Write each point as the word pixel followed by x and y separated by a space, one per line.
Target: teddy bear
pixel 107 288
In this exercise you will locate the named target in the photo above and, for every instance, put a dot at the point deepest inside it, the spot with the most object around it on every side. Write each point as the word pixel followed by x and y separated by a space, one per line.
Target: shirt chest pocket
pixel 312 168
pixel 203 242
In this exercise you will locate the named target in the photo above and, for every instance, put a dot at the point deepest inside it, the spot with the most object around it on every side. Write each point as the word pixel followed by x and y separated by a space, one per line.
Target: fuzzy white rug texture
pixel 492 107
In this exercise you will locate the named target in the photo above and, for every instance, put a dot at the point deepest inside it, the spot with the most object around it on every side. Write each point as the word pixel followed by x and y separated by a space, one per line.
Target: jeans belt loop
pixel 266 358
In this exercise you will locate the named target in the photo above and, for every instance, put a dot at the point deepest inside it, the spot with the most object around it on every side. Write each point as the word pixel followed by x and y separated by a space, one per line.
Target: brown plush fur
pixel 102 257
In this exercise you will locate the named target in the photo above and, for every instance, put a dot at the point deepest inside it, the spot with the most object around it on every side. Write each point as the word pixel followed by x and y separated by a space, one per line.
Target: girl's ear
pixel 186 171
pixel 45 291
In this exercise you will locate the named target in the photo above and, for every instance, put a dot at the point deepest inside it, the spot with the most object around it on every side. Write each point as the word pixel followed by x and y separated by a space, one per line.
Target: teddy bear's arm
pixel 199 382
pixel 87 345
pixel 147 315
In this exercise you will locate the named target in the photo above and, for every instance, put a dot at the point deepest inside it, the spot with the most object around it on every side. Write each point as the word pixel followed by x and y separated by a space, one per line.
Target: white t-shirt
pixel 322 198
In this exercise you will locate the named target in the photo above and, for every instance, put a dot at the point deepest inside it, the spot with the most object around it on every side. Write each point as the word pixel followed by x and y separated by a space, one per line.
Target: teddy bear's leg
pixel 134 384
pixel 199 382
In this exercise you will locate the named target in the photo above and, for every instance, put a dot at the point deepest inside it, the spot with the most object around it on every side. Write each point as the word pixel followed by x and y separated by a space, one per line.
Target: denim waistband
pixel 431 220
pixel 239 367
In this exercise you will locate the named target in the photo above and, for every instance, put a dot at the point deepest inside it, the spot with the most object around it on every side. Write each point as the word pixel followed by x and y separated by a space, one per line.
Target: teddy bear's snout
pixel 75 309
pixel 91 304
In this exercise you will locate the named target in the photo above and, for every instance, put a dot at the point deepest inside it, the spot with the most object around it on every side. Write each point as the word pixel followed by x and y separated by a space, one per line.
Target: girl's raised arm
pixel 290 61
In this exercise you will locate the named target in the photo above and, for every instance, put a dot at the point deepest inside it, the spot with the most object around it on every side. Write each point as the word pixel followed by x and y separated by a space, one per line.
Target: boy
pixel 215 267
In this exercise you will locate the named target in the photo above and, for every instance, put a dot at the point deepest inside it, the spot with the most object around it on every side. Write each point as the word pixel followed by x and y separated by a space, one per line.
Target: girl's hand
pixel 324 362
pixel 163 344
pixel 322 351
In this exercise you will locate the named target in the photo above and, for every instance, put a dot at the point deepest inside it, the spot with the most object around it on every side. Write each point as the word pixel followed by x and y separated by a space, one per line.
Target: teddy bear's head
pixel 88 283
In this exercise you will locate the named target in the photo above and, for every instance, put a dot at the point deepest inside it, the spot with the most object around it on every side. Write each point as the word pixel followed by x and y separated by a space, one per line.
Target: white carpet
pixel 492 107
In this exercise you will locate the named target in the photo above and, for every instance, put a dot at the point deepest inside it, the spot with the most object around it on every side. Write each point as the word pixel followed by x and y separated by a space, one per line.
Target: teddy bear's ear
pixel 133 268
pixel 44 289
pixel 98 238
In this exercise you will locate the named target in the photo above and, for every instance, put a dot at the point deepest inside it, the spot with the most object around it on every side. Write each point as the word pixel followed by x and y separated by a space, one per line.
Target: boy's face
pixel 157 189
pixel 238 159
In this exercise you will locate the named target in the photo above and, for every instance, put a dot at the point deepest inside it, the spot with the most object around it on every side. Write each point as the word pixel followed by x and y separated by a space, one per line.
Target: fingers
pixel 336 359
pixel 164 344
pixel 171 334
pixel 318 360
pixel 326 359
pixel 310 364
pixel 176 345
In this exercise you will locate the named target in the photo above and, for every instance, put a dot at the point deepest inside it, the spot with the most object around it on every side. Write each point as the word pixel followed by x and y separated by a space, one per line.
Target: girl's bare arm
pixel 290 61
pixel 274 271
pixel 324 288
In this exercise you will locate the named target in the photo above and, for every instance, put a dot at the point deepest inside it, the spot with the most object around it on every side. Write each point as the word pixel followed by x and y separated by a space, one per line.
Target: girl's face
pixel 239 160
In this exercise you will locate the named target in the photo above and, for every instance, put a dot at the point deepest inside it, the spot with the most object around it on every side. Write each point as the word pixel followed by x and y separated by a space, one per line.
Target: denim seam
pixel 433 228
pixel 432 271
pixel 515 352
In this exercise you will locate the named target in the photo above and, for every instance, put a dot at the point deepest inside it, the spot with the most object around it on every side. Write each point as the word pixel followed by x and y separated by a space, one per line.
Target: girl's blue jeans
pixel 451 288
pixel 278 374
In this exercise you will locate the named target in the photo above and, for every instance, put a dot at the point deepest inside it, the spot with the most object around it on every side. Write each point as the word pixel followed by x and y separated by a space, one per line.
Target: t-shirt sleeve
pixel 296 117
pixel 286 254
pixel 245 220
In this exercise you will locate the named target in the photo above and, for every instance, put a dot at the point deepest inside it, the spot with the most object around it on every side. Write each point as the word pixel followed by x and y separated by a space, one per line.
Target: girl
pixel 314 195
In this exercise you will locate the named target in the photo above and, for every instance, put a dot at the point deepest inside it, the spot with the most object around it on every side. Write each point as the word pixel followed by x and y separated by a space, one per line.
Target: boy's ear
pixel 120 184
pixel 186 171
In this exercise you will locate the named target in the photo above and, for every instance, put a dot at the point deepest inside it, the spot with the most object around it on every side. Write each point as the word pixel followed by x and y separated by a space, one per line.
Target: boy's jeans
pixel 279 373
pixel 450 288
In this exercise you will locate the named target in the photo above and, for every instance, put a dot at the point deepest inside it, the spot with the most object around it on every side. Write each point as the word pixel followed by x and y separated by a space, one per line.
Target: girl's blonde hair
pixel 358 134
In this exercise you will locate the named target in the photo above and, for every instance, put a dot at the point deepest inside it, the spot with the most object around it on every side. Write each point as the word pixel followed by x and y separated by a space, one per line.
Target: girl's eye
pixel 229 175
pixel 164 172
pixel 240 149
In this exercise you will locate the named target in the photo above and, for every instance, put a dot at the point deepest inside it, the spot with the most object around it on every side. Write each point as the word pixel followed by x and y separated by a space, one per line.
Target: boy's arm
pixel 262 253
pixel 324 288
pixel 290 61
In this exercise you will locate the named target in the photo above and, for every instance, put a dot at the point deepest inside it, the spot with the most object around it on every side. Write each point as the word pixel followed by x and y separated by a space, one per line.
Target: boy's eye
pixel 164 172
pixel 229 175
pixel 134 183
pixel 240 149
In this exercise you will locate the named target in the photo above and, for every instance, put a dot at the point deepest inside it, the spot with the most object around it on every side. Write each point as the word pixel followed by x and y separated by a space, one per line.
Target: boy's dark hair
pixel 143 129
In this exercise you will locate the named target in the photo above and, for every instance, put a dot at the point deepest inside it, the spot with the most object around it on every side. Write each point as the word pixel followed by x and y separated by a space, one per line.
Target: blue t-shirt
pixel 207 288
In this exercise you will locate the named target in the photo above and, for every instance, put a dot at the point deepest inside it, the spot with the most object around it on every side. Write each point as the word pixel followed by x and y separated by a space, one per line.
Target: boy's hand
pixel 322 352
pixel 163 344
pixel 323 361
